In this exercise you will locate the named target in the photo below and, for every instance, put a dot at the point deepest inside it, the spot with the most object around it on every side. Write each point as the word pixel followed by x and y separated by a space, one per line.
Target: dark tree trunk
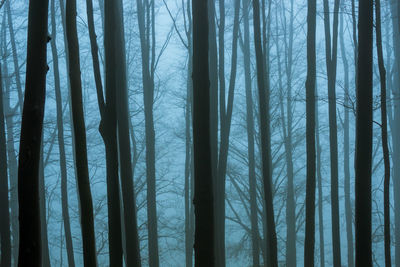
pixel 203 198
pixel 346 160
pixel 331 63
pixel 363 157
pixel 147 43
pixel 5 241
pixel 309 242
pixel 250 138
pixel 61 142
pixel 108 127
pixel 271 241
pixel 384 131
pixel 31 136
pixel 85 196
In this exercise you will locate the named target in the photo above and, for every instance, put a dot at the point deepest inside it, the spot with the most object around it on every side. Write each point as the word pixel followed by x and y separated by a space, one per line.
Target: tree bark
pixel 85 196
pixel 384 132
pixel 363 157
pixel 309 242
pixel 31 136
pixel 203 198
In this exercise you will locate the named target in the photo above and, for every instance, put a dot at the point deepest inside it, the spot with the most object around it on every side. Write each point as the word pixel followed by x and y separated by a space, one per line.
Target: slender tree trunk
pixel 384 131
pixel 331 63
pixel 363 157
pixel 15 56
pixel 147 47
pixel 5 241
pixel 61 142
pixel 11 154
pixel 108 128
pixel 271 242
pixel 118 82
pixel 346 160
pixel 320 195
pixel 203 198
pixel 31 136
pixel 250 138
pixel 309 242
pixel 85 196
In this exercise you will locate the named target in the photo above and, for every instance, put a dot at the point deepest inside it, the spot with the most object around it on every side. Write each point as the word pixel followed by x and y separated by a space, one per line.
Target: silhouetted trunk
pixel 320 195
pixel 108 127
pixel 309 242
pixel 363 157
pixel 61 142
pixel 118 82
pixel 85 196
pixel 5 241
pixel 31 136
pixel 271 241
pixel 203 198
pixel 250 138
pixel 384 132
pixel 346 159
pixel 147 42
pixel 331 63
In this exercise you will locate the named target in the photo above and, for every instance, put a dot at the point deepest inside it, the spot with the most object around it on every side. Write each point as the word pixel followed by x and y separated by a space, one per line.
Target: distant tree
pixel 363 157
pixel 31 136
pixel 309 242
pixel 203 196
pixel 85 196
pixel 5 242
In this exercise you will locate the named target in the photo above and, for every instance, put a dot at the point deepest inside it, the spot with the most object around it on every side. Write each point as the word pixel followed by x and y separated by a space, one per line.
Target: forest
pixel 226 133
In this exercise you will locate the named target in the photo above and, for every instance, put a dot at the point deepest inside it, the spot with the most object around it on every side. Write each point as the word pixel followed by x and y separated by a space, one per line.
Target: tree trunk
pixel 61 142
pixel 203 198
pixel 384 131
pixel 250 138
pixel 31 136
pixel 5 241
pixel 147 47
pixel 331 63
pixel 108 128
pixel 363 157
pixel 271 242
pixel 85 196
pixel 309 242
pixel 346 160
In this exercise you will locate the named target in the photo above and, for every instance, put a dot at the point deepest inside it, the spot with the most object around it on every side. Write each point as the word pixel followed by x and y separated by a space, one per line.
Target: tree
pixel 147 44
pixel 5 241
pixel 203 196
pixel 61 142
pixel 363 157
pixel 309 242
pixel 117 81
pixel 31 136
pixel 85 196
pixel 346 159
pixel 384 131
pixel 263 99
